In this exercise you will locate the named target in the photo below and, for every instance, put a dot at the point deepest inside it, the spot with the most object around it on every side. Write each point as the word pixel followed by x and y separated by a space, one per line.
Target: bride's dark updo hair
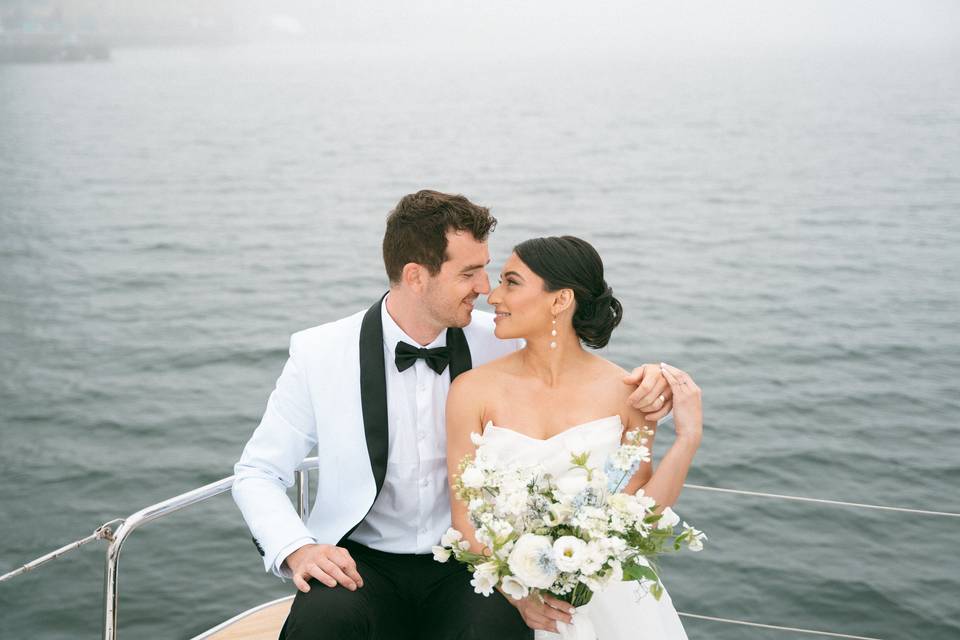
pixel 567 262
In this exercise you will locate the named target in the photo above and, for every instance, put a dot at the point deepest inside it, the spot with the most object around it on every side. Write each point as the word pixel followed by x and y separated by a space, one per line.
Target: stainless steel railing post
pixel 303 493
pixel 110 592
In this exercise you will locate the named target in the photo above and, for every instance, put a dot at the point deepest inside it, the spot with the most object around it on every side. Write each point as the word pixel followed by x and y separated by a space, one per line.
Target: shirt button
pixel 425 482
pixel 421 435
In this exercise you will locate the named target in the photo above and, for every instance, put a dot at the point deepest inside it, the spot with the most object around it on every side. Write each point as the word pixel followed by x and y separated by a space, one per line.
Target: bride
pixel 554 396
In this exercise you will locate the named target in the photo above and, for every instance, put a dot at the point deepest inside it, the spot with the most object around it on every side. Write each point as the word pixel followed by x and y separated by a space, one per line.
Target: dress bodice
pixel 600 437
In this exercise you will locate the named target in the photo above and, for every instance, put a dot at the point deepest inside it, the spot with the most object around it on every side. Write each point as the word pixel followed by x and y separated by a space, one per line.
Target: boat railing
pixel 116 532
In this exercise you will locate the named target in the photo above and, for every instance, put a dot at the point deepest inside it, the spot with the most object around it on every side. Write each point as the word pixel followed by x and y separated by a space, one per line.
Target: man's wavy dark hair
pixel 417 229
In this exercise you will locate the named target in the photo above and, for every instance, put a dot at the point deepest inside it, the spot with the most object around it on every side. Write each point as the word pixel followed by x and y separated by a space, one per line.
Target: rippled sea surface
pixel 784 227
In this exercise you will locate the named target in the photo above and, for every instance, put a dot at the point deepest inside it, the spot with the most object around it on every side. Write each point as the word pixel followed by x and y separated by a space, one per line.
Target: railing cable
pixel 828 634
pixel 103 532
pixel 838 503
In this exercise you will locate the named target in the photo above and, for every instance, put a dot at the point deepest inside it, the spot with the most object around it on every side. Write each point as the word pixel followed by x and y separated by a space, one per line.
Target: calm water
pixel 784 227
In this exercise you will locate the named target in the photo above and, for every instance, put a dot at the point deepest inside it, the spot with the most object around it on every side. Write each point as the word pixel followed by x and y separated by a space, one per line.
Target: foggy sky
pixel 533 25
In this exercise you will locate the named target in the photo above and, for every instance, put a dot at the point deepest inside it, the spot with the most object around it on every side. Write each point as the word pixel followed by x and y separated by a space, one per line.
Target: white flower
pixel 514 588
pixel 475 504
pixel 599 480
pixel 531 560
pixel 568 552
pixel 668 519
pixel 572 482
pixel 441 554
pixel 616 571
pixel 451 536
pixel 483 537
pixel 485 578
pixel 592 558
pixel 483 461
pixel 645 501
pixel 695 539
pixel 472 477
pixel 464 545
pixel 476 438
pixel 501 528
pixel 557 513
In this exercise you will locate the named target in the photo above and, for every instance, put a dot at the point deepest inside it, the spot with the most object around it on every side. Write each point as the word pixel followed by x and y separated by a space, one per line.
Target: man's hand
pixel 541 611
pixel 653 396
pixel 327 563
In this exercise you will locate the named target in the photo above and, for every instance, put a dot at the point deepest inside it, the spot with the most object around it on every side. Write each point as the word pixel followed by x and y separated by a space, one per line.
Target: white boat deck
pixel 260 623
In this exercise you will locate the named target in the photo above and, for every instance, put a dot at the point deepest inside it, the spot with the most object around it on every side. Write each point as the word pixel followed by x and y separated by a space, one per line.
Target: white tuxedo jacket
pixel 332 395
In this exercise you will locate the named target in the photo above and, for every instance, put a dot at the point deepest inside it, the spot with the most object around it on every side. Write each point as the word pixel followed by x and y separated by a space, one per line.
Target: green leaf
pixel 634 571
pixel 656 590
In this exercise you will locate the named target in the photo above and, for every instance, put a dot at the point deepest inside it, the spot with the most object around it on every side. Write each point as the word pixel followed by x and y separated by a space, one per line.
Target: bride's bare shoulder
pixel 485 376
pixel 609 378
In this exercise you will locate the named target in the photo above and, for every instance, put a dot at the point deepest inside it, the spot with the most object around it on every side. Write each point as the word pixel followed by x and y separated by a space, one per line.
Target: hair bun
pixel 597 317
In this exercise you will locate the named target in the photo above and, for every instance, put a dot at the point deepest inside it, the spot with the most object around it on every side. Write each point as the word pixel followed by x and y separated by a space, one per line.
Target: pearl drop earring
pixel 553 332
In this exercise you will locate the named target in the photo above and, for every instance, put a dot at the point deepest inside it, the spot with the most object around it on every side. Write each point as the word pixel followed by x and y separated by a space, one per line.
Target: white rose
pixel 441 554
pixel 451 536
pixel 514 588
pixel 668 519
pixel 531 561
pixel 485 578
pixel 476 438
pixel 568 552
pixel 472 478
pixel 572 482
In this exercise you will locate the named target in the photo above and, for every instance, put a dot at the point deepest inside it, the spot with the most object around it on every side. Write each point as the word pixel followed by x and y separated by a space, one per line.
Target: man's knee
pixel 497 619
pixel 327 613
pixel 481 618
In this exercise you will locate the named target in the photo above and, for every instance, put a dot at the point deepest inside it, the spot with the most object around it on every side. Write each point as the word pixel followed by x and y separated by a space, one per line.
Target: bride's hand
pixel 652 396
pixel 541 611
pixel 687 403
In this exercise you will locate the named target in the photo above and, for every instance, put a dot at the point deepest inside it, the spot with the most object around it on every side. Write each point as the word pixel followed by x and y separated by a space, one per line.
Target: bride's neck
pixel 551 364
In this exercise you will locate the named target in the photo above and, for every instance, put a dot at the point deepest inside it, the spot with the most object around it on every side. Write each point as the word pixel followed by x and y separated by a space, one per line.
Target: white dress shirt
pixel 412 511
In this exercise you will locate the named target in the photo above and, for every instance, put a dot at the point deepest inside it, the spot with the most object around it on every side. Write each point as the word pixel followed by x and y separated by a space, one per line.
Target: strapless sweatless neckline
pixel 490 425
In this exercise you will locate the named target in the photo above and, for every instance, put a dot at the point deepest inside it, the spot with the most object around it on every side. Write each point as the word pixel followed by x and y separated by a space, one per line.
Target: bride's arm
pixel 665 482
pixel 464 415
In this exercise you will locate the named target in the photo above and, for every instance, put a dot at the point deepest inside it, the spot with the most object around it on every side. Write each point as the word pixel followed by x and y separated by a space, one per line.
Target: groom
pixel 368 391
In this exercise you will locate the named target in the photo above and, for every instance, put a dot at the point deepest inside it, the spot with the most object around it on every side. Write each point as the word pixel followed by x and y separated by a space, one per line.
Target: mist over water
pixel 781 225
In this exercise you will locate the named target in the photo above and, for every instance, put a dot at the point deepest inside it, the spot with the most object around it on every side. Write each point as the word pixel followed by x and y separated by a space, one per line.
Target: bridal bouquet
pixel 569 536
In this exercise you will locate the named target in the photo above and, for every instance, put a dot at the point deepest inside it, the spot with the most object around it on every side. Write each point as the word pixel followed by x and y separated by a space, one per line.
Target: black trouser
pixel 404 597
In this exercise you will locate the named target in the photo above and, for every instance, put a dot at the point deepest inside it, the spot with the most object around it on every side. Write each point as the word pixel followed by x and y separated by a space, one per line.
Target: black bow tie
pixel 405 355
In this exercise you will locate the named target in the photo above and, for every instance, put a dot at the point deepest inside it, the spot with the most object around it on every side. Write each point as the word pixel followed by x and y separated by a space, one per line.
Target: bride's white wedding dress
pixel 619 612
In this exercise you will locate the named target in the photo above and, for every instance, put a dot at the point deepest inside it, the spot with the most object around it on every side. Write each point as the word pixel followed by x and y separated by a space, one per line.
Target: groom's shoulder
pixel 329 335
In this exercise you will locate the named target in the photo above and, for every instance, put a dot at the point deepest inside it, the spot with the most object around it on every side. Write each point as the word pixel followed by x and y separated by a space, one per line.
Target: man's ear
pixel 413 275
pixel 562 301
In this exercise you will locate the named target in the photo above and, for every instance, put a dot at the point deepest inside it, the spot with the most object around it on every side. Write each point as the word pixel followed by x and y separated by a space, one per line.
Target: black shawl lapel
pixel 373 388
pixel 373 391
pixel 460 360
